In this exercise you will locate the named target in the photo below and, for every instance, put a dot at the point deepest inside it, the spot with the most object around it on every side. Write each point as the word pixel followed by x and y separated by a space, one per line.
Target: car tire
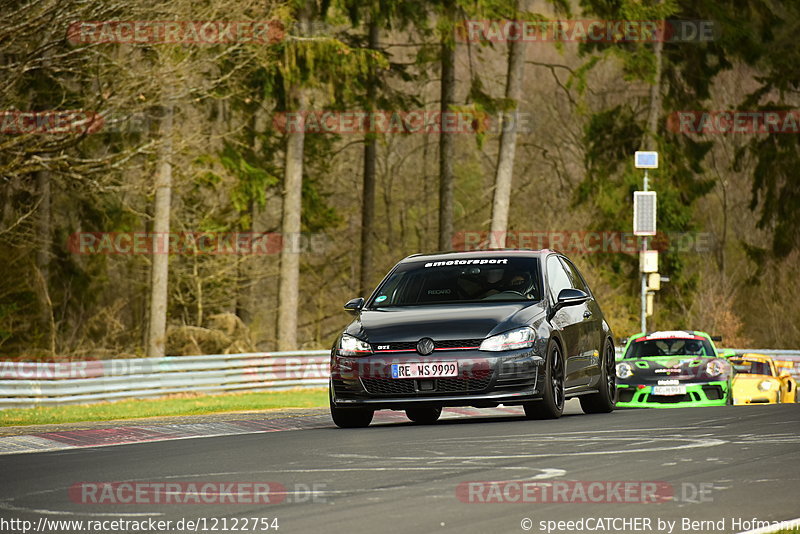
pixel 605 399
pixel 551 406
pixel 424 416
pixel 349 417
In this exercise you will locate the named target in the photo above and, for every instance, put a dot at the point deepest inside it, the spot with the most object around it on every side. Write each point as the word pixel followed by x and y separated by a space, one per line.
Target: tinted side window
pixel 577 279
pixel 557 277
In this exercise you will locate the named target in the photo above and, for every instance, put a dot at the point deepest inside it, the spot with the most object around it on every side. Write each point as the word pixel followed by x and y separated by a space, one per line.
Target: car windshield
pixel 459 281
pixel 650 348
pixel 751 367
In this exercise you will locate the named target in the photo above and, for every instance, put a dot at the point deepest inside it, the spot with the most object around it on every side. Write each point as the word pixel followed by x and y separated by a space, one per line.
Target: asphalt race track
pixel 723 466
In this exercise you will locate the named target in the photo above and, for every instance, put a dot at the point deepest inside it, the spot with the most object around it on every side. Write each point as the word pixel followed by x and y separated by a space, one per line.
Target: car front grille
pixel 387 386
pixel 406 346
pixel 713 392
pixel 625 394
pixel 478 381
pixel 670 399
pixel 457 344
pixel 462 384
pixel 345 386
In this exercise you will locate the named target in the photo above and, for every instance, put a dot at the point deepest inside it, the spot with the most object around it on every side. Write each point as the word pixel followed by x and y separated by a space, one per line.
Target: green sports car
pixel 671 370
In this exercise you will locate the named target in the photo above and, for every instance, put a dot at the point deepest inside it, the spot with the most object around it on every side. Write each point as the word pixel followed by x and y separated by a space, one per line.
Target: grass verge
pixel 167 406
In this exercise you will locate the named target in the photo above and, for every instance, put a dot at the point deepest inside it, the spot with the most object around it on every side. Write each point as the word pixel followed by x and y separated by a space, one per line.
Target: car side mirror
pixel 571 297
pixel 785 374
pixel 727 353
pixel 354 305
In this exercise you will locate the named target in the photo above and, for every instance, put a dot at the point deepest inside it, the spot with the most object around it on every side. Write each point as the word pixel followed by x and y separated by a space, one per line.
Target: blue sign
pixel 646 160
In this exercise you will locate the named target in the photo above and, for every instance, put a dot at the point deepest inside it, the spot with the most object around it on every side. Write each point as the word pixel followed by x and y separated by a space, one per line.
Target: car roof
pixel 464 255
pixel 671 334
pixel 755 357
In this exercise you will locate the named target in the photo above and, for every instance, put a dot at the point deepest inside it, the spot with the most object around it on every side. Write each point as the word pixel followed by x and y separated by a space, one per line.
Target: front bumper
pixel 762 398
pixel 485 379
pixel 716 393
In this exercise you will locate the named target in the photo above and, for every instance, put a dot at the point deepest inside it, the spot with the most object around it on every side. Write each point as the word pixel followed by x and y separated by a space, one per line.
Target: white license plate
pixel 425 370
pixel 669 390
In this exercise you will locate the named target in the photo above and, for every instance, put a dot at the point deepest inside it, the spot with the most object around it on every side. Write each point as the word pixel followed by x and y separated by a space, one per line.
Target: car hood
pixel 442 321
pixel 683 368
pixel 749 378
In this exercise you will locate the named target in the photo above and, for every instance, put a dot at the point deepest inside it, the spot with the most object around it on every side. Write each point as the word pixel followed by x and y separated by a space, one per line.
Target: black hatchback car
pixel 479 329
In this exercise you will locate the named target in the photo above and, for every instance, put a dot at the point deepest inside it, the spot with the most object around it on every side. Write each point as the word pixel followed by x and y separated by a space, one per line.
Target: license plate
pixel 425 370
pixel 669 390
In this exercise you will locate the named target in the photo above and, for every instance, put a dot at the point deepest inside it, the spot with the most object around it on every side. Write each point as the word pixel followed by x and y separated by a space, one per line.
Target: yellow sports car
pixel 757 380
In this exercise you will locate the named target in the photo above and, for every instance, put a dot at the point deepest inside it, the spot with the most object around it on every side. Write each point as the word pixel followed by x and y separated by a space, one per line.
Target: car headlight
pixel 715 367
pixel 352 346
pixel 765 385
pixel 624 370
pixel 513 339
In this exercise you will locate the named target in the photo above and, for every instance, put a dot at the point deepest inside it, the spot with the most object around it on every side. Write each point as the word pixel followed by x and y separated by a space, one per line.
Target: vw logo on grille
pixel 425 346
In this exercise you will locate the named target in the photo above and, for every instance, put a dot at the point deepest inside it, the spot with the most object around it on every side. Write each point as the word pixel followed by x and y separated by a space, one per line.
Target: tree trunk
pixel 289 283
pixel 157 332
pixel 260 314
pixel 446 139
pixel 44 230
pixel 248 301
pixel 288 291
pixel 370 154
pixel 508 144
pixel 651 140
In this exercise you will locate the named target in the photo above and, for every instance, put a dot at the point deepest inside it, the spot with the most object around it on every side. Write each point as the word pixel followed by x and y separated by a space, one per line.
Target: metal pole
pixel 644 276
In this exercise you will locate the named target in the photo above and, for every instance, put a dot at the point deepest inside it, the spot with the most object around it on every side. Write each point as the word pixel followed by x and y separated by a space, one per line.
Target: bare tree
pixel 508 143
pixel 157 332
pixel 370 155
pixel 446 138
pixel 290 258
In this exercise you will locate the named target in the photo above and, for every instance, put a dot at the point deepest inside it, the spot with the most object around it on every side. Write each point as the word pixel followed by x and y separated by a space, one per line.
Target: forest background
pixel 193 140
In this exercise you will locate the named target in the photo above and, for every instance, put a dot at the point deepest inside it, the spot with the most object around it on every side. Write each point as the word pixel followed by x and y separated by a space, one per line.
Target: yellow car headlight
pixel 765 385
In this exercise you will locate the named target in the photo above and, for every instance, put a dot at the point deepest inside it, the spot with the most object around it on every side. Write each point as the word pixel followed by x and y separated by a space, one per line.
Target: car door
pixel 567 320
pixel 591 329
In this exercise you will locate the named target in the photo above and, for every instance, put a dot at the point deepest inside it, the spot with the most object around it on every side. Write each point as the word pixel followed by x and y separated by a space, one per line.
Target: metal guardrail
pixel 26 384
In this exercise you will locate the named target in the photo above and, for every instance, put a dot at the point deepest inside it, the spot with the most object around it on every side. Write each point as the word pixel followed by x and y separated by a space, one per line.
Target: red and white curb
pixel 126 435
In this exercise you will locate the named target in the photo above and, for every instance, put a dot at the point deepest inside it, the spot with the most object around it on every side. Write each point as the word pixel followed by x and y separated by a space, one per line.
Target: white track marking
pixel 12 508
pixel 696 443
